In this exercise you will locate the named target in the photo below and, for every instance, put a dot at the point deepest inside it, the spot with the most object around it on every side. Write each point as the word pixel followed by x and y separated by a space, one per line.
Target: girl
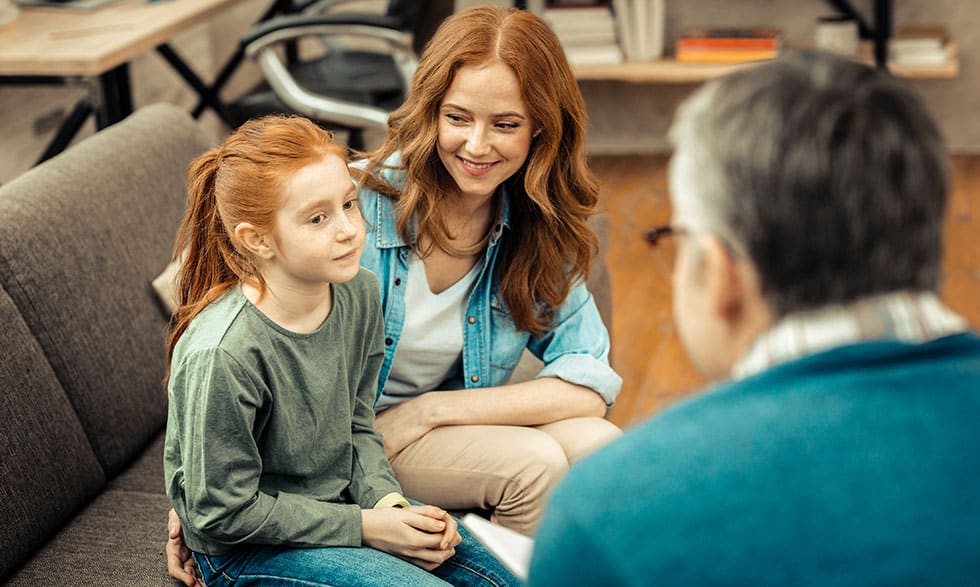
pixel 271 460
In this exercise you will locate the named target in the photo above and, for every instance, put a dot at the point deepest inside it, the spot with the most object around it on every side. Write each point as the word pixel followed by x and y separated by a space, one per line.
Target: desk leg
pixel 206 94
pixel 69 128
pixel 115 100
pixel 278 7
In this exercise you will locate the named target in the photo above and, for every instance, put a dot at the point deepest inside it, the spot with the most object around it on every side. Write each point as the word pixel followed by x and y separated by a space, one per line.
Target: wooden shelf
pixel 671 71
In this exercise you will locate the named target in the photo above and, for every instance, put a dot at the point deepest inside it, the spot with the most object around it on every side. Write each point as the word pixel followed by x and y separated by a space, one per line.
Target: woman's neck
pixel 297 309
pixel 468 221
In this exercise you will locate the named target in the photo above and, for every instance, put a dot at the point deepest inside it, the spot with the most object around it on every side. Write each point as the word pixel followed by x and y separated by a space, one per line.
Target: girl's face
pixel 485 129
pixel 319 234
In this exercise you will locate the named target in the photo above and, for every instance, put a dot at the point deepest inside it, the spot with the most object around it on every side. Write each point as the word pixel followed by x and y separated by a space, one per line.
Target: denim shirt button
pixel 398 281
pixel 389 341
pixel 472 320
pixel 475 378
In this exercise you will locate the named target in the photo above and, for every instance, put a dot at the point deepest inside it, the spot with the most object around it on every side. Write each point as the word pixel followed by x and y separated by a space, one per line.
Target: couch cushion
pixel 146 472
pixel 81 237
pixel 47 468
pixel 118 540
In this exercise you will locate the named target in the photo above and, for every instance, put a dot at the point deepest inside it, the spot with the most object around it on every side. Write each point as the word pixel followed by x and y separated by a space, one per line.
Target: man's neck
pixel 914 317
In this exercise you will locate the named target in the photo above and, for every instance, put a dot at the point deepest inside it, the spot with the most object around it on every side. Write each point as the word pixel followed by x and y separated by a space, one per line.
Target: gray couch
pixel 82 347
pixel 82 354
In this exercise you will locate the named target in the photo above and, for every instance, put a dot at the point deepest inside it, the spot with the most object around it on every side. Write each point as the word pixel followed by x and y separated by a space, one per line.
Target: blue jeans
pixel 264 565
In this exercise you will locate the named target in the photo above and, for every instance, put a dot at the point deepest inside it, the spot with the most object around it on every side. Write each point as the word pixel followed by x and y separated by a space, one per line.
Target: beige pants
pixel 509 470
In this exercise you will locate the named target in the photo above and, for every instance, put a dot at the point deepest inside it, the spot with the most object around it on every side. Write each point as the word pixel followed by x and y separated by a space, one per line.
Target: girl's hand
pixel 180 565
pixel 450 535
pixel 404 423
pixel 423 535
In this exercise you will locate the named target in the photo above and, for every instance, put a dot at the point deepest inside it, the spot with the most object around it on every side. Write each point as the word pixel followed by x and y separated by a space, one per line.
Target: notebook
pixel 511 548
pixel 72 4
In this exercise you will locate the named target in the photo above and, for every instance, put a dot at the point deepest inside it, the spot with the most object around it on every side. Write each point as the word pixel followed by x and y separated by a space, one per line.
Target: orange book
pixel 725 55
pixel 727 43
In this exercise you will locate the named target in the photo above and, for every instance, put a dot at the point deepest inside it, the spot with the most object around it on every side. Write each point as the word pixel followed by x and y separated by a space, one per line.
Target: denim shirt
pixel 575 349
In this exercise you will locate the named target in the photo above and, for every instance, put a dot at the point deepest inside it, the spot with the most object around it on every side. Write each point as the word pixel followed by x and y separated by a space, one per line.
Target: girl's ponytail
pixel 201 248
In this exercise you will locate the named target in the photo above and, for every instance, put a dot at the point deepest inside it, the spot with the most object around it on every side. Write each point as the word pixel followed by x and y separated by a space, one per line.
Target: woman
pixel 479 237
pixel 481 243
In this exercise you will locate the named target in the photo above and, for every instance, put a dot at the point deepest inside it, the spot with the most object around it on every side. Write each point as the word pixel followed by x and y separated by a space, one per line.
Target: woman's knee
pixel 580 437
pixel 544 457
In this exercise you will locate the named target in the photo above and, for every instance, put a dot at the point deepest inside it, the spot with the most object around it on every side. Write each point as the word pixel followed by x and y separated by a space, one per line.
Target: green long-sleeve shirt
pixel 270 433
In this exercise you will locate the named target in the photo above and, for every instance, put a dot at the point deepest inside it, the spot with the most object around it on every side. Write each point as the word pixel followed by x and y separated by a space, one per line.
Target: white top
pixel 431 342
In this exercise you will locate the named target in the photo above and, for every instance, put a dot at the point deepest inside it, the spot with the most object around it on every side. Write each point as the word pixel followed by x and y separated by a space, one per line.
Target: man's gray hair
pixel 828 174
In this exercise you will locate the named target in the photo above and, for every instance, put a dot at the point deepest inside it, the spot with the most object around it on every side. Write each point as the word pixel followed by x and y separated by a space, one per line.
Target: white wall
pixel 624 118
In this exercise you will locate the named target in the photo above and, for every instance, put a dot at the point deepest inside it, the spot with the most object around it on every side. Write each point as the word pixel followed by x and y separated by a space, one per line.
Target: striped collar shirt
pixel 914 317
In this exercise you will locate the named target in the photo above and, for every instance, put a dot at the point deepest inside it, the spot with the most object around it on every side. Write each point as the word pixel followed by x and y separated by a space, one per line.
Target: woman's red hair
pixel 553 195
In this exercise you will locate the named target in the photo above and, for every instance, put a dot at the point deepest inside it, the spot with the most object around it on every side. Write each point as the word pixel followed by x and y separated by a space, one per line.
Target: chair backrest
pixel 421 17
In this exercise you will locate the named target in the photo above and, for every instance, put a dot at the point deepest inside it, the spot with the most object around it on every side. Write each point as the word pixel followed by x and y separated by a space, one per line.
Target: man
pixel 808 197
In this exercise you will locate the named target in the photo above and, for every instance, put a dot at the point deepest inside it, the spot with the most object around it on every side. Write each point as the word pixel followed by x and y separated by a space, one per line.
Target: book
pixel 587 32
pixel 728 44
pixel 919 46
pixel 67 4
pixel 511 548
pixel 725 55
pixel 594 55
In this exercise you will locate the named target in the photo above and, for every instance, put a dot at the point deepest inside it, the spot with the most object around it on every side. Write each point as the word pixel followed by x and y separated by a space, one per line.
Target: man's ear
pixel 253 240
pixel 723 280
pixel 733 284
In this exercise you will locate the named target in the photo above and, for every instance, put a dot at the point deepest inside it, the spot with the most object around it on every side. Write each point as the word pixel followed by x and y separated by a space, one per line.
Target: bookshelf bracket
pixel 878 32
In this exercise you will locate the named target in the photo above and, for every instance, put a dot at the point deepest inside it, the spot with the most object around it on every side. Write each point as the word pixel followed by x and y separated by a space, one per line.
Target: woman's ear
pixel 254 241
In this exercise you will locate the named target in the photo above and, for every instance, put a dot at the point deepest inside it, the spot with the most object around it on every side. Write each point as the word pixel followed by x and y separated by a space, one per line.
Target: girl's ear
pixel 255 241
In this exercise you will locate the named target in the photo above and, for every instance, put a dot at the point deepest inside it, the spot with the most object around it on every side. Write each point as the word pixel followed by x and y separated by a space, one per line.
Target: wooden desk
pixel 68 42
pixel 63 45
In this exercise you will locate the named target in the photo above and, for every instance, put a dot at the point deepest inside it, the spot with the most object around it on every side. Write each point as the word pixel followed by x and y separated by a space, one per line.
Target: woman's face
pixel 485 129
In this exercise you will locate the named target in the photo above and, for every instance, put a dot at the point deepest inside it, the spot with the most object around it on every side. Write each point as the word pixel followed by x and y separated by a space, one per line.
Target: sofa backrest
pixel 81 238
pixel 48 469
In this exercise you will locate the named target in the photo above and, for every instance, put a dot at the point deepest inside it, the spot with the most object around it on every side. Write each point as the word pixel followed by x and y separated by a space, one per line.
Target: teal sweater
pixel 270 435
pixel 856 466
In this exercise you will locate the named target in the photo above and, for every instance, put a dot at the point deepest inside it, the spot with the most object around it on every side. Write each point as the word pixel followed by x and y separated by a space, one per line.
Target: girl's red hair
pixel 240 181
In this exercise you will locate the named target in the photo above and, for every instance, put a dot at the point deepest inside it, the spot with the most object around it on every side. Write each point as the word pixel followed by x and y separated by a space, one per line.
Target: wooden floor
pixel 646 351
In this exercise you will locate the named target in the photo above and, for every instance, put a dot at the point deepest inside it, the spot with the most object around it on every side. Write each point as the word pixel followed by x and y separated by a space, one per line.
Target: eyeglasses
pixel 665 249
pixel 657 234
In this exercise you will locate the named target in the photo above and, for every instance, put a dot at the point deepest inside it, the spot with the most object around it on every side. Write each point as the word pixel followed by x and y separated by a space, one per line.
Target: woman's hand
pixel 180 565
pixel 404 423
pixel 425 535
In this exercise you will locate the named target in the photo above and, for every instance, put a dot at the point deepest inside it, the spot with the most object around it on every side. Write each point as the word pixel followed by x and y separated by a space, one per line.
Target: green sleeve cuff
pixel 392 500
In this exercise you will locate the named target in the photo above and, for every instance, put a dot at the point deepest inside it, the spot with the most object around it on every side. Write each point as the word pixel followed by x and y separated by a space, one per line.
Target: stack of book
pixel 729 45
pixel 919 46
pixel 586 30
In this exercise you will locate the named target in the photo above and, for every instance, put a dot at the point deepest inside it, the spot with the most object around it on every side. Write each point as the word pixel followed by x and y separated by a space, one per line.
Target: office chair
pixel 341 87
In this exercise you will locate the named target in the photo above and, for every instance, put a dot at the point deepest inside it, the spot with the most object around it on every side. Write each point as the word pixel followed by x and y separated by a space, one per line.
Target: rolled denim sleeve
pixel 576 349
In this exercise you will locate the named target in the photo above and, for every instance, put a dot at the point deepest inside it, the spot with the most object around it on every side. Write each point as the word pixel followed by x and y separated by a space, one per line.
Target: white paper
pixel 511 548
